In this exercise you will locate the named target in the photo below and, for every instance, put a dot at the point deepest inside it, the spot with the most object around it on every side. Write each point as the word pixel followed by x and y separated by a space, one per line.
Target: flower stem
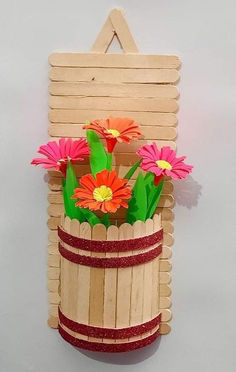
pixel 109 161
pixel 106 219
pixel 130 173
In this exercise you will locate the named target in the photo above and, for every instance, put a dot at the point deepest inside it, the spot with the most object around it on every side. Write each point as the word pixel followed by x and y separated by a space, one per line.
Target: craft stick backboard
pixel 86 86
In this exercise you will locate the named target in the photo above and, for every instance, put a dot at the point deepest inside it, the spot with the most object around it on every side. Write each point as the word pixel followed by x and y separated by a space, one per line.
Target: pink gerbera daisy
pixel 163 163
pixel 58 154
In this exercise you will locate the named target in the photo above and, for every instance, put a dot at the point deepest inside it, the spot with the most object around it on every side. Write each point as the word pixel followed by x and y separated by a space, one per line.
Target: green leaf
pixel 130 173
pixel 98 156
pixel 149 185
pixel 106 220
pixel 154 197
pixel 90 216
pixel 109 161
pixel 138 203
pixel 69 185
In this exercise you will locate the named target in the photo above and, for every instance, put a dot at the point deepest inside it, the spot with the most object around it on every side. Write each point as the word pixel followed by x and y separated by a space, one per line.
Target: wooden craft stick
pixel 65 82
pixel 166 252
pixel 76 130
pixel 165 302
pixel 82 315
pixel 165 265
pixel 165 278
pixel 53 273
pixel 113 60
pixel 164 328
pixel 168 239
pixel 141 118
pixel 165 290
pixel 124 282
pixel 122 31
pixel 53 285
pixel 110 285
pixel 148 279
pixel 104 38
pixel 167 214
pixel 137 282
pixel 133 146
pixel 166 315
pixel 168 227
pixel 74 275
pixel 53 249
pixel 155 272
pixel 120 75
pixel 53 223
pixel 96 301
pixel 54 260
pixel 65 276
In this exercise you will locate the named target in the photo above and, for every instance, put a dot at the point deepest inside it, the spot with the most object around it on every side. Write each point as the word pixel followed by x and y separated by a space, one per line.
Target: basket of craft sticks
pixel 110 284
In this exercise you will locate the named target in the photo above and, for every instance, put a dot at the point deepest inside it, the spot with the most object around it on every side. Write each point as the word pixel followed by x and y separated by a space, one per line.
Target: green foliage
pixel 68 187
pixel 90 216
pixel 98 156
pixel 130 173
pixel 138 203
pixel 109 161
pixel 153 193
pixel 106 220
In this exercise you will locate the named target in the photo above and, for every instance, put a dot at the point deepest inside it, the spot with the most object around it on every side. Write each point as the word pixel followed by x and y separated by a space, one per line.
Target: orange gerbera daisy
pixel 115 130
pixel 105 192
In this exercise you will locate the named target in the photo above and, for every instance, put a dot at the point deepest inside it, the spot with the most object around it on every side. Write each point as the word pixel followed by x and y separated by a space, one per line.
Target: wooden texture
pixel 115 25
pixel 110 297
pixel 87 86
pixel 129 61
pixel 63 85
pixel 115 75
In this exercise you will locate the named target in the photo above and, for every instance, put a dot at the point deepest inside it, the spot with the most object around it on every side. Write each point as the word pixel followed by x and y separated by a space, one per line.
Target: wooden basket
pixel 109 284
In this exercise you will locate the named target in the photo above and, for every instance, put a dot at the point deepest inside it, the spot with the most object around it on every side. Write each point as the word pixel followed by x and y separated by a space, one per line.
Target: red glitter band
pixel 110 246
pixel 110 333
pixel 109 348
pixel 110 262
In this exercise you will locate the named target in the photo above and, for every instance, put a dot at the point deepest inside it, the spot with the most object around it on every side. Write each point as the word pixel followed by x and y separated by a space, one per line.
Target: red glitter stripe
pixel 110 262
pixel 111 333
pixel 109 348
pixel 110 246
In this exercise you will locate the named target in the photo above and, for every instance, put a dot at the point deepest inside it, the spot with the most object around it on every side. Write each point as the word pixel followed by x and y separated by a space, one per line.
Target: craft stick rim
pixel 110 246
pixel 110 262
pixel 110 348
pixel 110 333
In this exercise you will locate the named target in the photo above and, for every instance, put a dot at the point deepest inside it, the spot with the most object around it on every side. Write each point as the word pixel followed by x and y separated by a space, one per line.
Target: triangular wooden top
pixel 115 25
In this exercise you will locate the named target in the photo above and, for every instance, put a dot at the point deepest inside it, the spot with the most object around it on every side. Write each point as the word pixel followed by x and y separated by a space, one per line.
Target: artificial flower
pixel 115 130
pixel 163 163
pixel 105 192
pixel 58 154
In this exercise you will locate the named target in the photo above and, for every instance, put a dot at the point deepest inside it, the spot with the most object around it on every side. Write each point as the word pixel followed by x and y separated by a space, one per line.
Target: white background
pixel 202 33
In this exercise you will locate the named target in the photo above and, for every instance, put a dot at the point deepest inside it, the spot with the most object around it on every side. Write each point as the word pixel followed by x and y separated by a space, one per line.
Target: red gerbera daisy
pixel 115 130
pixel 105 192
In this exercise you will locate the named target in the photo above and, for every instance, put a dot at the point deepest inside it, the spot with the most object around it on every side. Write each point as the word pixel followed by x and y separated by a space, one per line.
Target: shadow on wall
pixel 132 357
pixel 187 192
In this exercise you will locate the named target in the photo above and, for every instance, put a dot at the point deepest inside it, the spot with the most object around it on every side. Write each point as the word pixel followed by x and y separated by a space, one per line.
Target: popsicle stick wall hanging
pixel 110 199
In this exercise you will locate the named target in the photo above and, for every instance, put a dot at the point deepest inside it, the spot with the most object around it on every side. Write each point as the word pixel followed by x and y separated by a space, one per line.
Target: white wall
pixel 202 33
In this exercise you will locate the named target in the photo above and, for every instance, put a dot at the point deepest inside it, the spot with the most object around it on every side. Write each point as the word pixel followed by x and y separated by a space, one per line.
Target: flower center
pixel 102 193
pixel 63 160
pixel 114 132
pixel 164 164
